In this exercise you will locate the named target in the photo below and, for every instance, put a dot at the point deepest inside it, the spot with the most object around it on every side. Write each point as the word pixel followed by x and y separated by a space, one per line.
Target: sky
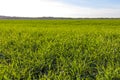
pixel 61 8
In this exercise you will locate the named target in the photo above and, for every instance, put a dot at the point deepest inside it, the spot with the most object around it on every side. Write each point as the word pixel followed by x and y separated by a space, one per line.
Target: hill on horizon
pixel 16 17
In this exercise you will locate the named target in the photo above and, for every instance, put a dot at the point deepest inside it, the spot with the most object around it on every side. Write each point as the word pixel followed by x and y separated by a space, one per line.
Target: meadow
pixel 60 49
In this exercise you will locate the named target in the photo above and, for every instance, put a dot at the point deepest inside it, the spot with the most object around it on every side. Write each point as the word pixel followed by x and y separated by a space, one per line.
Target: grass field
pixel 60 49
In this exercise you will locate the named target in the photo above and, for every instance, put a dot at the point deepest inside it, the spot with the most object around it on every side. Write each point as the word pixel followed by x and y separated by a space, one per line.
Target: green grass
pixel 60 49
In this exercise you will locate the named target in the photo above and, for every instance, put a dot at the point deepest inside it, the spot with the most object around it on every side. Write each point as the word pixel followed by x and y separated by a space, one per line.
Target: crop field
pixel 60 49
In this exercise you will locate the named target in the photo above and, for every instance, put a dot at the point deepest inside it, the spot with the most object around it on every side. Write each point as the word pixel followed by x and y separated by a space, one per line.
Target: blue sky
pixel 61 8
pixel 95 3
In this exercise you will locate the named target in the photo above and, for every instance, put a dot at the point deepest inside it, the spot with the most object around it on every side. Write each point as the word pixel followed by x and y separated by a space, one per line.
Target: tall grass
pixel 60 49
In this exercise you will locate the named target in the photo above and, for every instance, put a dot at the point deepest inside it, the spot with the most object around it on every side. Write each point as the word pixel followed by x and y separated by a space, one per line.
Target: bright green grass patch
pixel 60 49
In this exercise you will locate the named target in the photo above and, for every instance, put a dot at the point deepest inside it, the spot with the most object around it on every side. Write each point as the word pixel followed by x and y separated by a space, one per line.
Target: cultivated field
pixel 60 49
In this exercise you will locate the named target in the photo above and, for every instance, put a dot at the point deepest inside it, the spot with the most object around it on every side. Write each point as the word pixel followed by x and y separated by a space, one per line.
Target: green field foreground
pixel 60 49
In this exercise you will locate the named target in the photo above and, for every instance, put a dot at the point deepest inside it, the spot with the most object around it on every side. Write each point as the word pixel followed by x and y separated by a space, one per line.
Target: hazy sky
pixel 60 8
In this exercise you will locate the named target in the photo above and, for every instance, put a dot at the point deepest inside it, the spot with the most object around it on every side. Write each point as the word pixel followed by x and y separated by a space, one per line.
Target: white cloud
pixel 94 12
pixel 39 8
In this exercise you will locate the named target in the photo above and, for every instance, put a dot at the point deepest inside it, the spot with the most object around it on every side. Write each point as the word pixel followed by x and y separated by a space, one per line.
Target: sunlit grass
pixel 60 49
